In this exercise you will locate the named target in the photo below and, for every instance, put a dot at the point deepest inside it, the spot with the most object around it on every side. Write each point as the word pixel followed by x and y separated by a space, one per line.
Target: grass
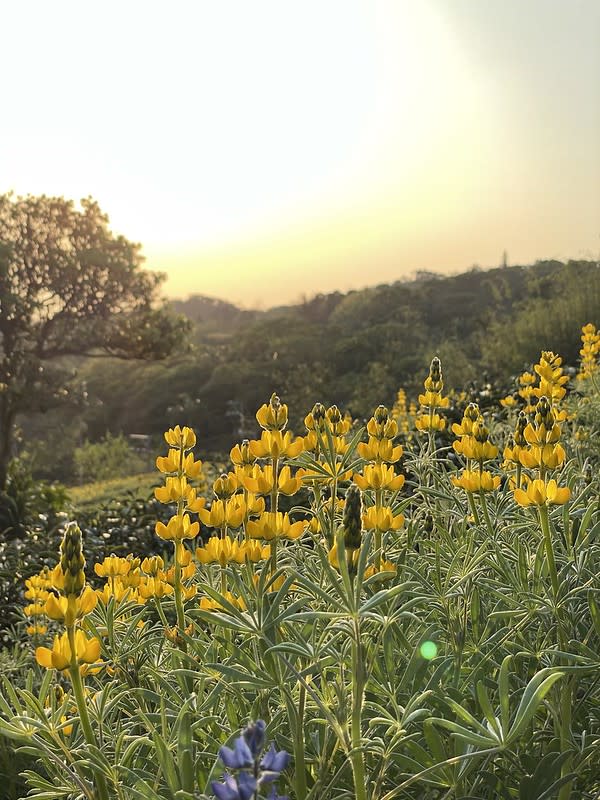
pixel 91 495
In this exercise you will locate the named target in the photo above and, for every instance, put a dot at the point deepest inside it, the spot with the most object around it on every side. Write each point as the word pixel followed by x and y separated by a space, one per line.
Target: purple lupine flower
pixel 241 788
pixel 275 761
pixel 241 757
pixel 254 736
pixel 255 768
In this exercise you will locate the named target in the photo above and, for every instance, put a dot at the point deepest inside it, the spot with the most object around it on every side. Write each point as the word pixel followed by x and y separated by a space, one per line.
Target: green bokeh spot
pixel 429 650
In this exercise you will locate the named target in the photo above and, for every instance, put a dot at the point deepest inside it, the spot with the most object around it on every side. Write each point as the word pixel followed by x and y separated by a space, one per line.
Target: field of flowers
pixel 409 609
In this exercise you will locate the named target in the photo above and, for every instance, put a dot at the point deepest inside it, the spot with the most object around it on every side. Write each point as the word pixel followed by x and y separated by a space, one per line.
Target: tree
pixel 68 287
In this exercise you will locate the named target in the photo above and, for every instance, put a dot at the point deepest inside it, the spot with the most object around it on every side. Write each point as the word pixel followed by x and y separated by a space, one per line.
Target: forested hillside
pixel 353 349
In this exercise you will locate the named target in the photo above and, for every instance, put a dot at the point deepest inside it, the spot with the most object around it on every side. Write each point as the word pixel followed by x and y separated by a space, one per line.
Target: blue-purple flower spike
pixel 254 736
pixel 255 767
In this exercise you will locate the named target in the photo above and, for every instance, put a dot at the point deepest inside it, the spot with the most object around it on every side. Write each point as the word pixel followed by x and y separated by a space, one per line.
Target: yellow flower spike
pixel 154 587
pixel 338 424
pixel 36 630
pixel 181 437
pixel 381 425
pixel 382 519
pixel 219 551
pixel 548 456
pixel 275 525
pixel 69 609
pixel 260 481
pixel 208 604
pixel 223 512
pixel 275 444
pixel 379 476
pixel 433 422
pixel 241 456
pixel 116 590
pixel 152 565
pixel 36 609
pixel 385 571
pixel 170 462
pixel 112 567
pixel 225 486
pixel 178 527
pixel 175 489
pixel 475 481
pixel 192 469
pixel 87 651
pixel 379 450
pixel 539 493
pixel 274 416
pixel 352 556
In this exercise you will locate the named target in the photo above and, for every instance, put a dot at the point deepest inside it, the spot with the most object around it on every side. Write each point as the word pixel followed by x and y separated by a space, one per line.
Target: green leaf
pixel 537 688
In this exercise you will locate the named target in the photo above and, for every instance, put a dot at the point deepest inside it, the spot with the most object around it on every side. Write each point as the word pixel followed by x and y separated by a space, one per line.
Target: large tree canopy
pixel 68 287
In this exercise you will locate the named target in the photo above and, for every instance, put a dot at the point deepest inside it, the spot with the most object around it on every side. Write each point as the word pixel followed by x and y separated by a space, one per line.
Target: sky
pixel 267 150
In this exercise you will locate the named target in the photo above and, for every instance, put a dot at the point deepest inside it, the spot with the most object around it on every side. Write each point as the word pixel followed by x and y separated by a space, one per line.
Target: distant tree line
pixel 351 349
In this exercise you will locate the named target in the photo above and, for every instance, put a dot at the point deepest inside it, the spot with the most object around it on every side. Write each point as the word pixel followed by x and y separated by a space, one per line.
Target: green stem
pixel 358 691
pixel 486 513
pixel 178 595
pixel 545 523
pixel 299 752
pixel 473 508
pixel 274 493
pixel 566 707
pixel 84 717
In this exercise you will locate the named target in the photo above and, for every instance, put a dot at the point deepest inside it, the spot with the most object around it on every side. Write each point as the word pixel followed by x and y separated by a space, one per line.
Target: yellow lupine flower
pixel 538 493
pixel 382 519
pixel 381 425
pixel 549 456
pixel 241 456
pixel 385 570
pixel 379 476
pixel 430 422
pixel 260 481
pixel 352 556
pixel 226 485
pixel 170 462
pixel 379 450
pixel 469 447
pixel 70 608
pixel 223 512
pixel 87 651
pixel 154 587
pixel 208 604
pixel 274 525
pixel 434 399
pixel 36 630
pixel 36 609
pixel 112 567
pixel 275 444
pixel 476 481
pixel 509 401
pixel 152 565
pixel 227 550
pixel 542 435
pixel 181 437
pixel 274 416
pixel 178 527
pixel 118 591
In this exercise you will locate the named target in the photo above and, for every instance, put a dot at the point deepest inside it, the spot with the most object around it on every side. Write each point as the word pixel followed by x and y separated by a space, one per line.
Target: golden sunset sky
pixel 265 149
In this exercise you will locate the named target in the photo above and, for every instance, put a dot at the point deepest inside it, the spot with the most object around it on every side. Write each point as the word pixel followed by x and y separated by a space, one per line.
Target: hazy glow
pixel 264 149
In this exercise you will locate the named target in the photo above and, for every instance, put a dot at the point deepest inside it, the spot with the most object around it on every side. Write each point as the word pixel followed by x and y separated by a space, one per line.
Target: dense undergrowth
pixel 412 607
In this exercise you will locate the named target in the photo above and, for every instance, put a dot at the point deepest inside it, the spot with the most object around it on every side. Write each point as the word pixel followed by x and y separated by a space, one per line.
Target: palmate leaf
pixel 498 733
